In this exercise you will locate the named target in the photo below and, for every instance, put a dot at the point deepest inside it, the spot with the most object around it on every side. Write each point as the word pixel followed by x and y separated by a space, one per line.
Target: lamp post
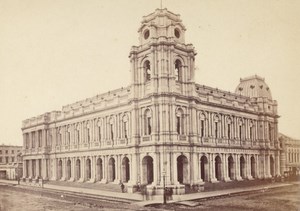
pixel 164 186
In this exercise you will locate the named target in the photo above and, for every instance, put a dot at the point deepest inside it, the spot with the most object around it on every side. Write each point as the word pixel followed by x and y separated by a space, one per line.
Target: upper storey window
pixel 147 71
pixel 178 70
pixel 148 122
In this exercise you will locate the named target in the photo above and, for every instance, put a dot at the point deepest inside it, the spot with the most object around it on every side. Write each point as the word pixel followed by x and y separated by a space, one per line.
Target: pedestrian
pixel 122 187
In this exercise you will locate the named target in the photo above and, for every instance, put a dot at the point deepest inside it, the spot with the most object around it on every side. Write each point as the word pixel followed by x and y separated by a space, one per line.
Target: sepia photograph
pixel 143 105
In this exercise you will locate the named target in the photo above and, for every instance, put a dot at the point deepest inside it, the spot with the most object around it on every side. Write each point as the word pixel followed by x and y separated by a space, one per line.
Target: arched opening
pixel 182 169
pixel 111 170
pixel 204 168
pixel 272 167
pixel 242 167
pixel 218 168
pixel 230 167
pixel 253 167
pixel 147 165
pixel 59 172
pixel 99 169
pixel 178 70
pixel 69 174
pixel 78 174
pixel 147 71
pixel 148 122
pixel 125 170
pixel 88 169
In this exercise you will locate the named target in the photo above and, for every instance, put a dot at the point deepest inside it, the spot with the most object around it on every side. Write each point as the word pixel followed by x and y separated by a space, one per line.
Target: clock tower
pixel 162 63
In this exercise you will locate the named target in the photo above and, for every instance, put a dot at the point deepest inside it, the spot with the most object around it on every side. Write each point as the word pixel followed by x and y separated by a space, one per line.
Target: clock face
pixel 146 34
pixel 177 33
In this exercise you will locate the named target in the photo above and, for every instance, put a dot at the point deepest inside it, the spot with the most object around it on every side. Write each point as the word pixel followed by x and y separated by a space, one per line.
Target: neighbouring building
pixel 10 162
pixel 291 156
pixel 163 127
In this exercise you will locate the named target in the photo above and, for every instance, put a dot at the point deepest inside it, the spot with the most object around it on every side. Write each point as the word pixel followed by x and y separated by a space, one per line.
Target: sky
pixel 57 52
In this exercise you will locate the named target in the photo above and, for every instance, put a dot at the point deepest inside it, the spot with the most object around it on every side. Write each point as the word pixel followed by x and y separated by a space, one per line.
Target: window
pixel 0 151
pixel 125 127
pixel 178 125
pixel 147 71
pixel 216 130
pixel 6 151
pixel 99 132
pixel 33 139
pixel 111 131
pixel 12 159
pixel 27 141
pixel 251 132
pixel 240 131
pixel 228 130
pixel 0 159
pixel 178 70
pixel 270 132
pixel 68 137
pixel 148 122
pixel 77 136
pixel 179 121
pixel 202 128
pixel 40 138
pixel 13 151
pixel 6 159
pixel 88 135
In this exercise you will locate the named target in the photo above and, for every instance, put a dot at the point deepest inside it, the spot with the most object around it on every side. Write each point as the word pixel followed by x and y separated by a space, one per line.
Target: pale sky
pixel 57 52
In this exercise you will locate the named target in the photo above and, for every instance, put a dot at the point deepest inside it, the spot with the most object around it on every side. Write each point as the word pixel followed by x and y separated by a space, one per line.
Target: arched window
pixel 147 71
pixel 229 122
pixel 251 130
pixel 33 139
pixel 68 136
pixel 178 70
pixel 111 128
pixel 77 134
pixel 202 125
pixel 99 130
pixel 88 133
pixel 40 138
pixel 179 121
pixel 270 132
pixel 148 122
pixel 216 121
pixel 125 126
pixel 240 129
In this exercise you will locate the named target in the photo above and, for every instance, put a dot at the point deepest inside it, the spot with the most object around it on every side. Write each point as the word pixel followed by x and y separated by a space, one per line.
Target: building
pixel 291 156
pixel 163 128
pixel 10 162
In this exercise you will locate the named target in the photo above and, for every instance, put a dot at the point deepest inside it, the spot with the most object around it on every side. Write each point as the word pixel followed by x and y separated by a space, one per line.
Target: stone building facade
pixel 162 127
pixel 291 154
pixel 10 161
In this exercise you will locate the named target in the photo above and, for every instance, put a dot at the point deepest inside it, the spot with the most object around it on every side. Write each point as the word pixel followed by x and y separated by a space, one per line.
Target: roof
pixel 254 86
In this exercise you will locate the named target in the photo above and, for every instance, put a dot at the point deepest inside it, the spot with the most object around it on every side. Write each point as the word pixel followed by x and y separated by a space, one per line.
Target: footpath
pixel 137 198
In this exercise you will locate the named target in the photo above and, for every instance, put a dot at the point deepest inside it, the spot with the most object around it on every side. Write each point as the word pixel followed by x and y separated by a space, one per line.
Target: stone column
pixel 93 169
pixel 117 169
pixel 82 169
pixel 104 169
pixel 277 160
pixel 237 168
pixel 213 178
pixel 25 163
pixel 37 169
pixel 133 169
pixel 44 169
pixel 155 169
pixel 225 168
pixel 73 166
pixel 175 182
pixel 194 168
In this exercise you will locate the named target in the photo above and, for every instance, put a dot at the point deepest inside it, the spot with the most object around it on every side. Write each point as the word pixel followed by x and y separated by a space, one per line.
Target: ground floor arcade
pixel 152 167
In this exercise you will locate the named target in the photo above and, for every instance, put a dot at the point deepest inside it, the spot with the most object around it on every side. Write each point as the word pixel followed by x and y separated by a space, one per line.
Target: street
pixel 285 198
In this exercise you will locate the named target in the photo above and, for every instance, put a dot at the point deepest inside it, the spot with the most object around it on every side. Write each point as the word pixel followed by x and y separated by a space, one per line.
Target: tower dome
pixel 254 86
